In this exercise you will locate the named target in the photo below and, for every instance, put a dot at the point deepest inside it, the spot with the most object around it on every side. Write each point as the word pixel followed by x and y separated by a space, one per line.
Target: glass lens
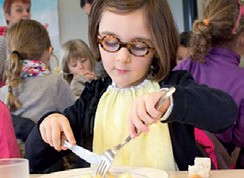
pixel 111 43
pixel 138 48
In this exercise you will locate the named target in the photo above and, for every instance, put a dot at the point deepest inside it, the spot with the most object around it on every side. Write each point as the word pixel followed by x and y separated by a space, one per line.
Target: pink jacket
pixel 8 143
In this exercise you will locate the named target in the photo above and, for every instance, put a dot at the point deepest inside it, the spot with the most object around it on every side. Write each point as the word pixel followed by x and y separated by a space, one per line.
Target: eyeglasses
pixel 112 44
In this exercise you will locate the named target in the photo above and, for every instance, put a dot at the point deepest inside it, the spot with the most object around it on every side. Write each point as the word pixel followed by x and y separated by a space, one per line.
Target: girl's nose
pixel 81 66
pixel 123 55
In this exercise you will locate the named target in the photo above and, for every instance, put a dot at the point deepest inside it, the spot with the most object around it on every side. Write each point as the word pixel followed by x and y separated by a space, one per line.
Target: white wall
pixel 74 21
pixel 177 10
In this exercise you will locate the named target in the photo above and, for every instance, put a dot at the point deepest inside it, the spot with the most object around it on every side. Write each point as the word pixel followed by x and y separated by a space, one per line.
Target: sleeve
pixel 235 134
pixel 77 85
pixel 205 108
pixel 42 157
pixel 8 143
pixel 22 126
pixel 64 96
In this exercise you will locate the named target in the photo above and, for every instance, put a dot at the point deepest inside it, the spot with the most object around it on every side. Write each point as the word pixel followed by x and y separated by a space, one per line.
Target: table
pixel 235 173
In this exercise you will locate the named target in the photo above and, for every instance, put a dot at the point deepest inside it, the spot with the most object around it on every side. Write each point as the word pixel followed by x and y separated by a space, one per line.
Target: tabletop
pixel 235 173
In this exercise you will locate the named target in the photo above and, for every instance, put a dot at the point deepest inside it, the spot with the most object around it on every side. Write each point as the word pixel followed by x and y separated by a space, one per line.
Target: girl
pixel 137 43
pixel 216 48
pixel 32 89
pixel 78 65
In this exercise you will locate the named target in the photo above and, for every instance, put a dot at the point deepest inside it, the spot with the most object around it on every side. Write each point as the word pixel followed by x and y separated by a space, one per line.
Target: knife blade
pixel 83 153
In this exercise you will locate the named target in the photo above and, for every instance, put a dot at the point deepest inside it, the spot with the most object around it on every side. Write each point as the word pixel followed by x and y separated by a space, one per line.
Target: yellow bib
pixel 111 128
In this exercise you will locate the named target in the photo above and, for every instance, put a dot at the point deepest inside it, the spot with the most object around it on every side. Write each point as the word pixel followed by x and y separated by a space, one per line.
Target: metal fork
pixel 108 157
pixel 109 154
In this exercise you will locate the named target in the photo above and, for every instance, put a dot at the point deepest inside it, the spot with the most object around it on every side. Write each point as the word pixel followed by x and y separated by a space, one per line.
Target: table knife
pixel 83 153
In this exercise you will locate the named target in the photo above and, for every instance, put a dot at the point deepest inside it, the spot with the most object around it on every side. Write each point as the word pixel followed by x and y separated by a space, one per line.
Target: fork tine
pixel 105 170
pixel 98 171
pixel 101 167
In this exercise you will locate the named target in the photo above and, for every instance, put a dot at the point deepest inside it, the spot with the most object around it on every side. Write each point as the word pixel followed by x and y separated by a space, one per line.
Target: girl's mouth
pixel 121 71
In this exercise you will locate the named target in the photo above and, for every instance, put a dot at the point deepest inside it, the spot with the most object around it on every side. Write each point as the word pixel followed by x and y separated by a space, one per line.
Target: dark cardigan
pixel 194 106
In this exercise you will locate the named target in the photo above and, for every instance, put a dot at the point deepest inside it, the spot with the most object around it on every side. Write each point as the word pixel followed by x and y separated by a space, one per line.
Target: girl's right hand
pixel 54 128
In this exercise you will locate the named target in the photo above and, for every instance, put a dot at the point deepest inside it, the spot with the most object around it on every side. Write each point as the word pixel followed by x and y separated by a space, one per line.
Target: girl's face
pixel 78 66
pixel 18 11
pixel 124 68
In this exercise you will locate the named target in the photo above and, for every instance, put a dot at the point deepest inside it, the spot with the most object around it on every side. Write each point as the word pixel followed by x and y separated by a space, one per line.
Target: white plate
pixel 136 172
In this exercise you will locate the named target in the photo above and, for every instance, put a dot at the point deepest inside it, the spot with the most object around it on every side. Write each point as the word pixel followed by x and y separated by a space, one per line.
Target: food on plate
pixel 125 176
pixel 200 169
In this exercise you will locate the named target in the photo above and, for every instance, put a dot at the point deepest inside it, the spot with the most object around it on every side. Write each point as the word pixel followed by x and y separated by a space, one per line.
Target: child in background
pixel 183 50
pixel 77 64
pixel 31 89
pixel 132 39
pixel 215 56
pixel 8 144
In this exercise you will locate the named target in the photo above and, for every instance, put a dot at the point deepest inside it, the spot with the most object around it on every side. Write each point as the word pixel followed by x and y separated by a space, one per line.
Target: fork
pixel 108 156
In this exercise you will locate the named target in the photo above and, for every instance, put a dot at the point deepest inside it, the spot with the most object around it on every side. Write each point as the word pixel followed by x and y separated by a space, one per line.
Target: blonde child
pixel 32 90
pixel 137 43
pixel 78 65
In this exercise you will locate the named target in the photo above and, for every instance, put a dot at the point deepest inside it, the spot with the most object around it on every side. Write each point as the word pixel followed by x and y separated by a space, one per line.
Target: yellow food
pixel 125 176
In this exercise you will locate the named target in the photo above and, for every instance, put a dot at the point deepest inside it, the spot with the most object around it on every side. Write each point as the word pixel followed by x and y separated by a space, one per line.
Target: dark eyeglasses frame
pixel 125 45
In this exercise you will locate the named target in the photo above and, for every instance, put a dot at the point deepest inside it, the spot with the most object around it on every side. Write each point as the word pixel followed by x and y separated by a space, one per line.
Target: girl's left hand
pixel 144 112
pixel 89 75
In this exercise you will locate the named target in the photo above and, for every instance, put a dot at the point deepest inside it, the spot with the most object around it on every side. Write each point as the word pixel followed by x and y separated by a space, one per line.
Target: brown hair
pixel 75 50
pixel 27 39
pixel 160 23
pixel 83 2
pixel 8 3
pixel 215 29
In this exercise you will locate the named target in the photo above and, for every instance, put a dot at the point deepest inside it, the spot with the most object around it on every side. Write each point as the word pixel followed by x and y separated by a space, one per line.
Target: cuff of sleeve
pixel 170 108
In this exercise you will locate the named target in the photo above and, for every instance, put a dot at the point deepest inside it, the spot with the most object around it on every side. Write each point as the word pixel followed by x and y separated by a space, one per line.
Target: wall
pixel 177 10
pixel 74 21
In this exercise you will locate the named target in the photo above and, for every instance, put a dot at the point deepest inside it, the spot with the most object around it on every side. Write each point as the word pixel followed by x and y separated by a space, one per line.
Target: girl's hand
pixel 145 113
pixel 54 129
pixel 88 74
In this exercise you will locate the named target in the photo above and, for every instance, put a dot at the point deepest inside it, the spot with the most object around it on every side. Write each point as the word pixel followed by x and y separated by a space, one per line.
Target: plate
pixel 135 172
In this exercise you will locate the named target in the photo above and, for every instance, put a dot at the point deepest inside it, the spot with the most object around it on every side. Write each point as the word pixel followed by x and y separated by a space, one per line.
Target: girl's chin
pixel 122 84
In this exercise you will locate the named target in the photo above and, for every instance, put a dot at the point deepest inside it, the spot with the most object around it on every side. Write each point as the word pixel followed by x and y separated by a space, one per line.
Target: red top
pixel 8 142
pixel 1 84
pixel 3 30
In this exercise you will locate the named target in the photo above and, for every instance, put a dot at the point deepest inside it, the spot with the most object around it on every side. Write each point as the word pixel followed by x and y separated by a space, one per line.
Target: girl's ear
pixel 50 50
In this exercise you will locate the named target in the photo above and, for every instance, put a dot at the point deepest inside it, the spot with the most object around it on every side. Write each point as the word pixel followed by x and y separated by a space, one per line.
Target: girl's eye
pixel 73 65
pixel 83 61
pixel 111 43
pixel 138 46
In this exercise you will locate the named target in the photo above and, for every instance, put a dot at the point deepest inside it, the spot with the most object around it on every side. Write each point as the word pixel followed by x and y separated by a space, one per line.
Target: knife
pixel 83 153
